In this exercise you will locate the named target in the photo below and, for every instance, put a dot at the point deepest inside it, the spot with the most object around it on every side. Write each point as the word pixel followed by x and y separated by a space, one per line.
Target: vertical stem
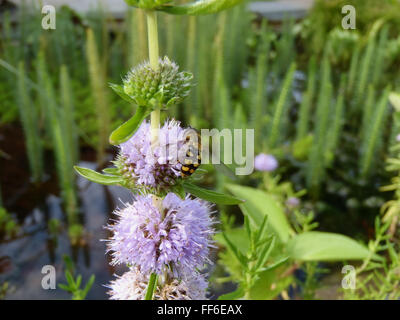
pixel 151 287
pixel 153 57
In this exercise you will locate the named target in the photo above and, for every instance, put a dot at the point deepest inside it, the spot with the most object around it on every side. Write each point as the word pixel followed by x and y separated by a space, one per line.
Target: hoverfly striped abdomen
pixel 192 148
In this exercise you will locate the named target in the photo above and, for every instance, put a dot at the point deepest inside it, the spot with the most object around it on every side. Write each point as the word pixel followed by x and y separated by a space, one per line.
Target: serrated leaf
pixel 96 177
pixel 325 246
pixel 210 195
pixel 200 7
pixel 128 128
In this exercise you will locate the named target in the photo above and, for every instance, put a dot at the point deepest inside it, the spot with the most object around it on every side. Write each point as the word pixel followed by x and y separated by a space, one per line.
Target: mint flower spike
pixel 169 235
pixel 162 87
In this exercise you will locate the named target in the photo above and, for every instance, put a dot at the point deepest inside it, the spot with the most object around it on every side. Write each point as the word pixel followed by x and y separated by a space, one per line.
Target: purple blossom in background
pixel 174 234
pixel 292 202
pixel 132 285
pixel 398 138
pixel 156 167
pixel 265 162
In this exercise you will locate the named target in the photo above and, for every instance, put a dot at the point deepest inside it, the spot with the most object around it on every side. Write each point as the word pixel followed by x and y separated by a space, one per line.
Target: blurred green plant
pixel 8 224
pixel 74 283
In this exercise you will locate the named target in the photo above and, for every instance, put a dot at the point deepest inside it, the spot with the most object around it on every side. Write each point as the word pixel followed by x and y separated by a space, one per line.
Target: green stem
pixel 151 287
pixel 153 57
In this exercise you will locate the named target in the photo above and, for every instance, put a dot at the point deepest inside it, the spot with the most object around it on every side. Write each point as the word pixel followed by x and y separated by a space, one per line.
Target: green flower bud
pixel 147 4
pixel 165 86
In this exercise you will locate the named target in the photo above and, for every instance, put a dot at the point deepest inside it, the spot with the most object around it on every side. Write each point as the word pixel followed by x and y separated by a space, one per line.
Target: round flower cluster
pixel 162 235
pixel 165 86
pixel 132 285
pixel 265 162
pixel 152 168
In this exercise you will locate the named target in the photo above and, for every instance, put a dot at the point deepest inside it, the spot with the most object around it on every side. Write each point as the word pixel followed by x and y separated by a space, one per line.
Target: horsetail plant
pixel 164 235
pixel 29 117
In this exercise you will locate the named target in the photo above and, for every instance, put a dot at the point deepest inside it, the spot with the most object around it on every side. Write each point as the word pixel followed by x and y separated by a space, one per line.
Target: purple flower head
pixel 398 138
pixel 265 162
pixel 132 285
pixel 158 235
pixel 153 168
pixel 147 167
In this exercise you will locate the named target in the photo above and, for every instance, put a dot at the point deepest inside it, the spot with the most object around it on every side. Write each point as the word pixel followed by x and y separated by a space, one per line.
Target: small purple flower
pixel 132 285
pixel 398 138
pixel 265 162
pixel 153 168
pixel 158 235
pixel 292 202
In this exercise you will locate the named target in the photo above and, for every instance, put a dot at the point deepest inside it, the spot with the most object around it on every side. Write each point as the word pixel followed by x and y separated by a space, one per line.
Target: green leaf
pixel 78 281
pixel 64 287
pixel 264 253
pixel 112 171
pixel 128 128
pixel 94 176
pixel 70 279
pixel 200 7
pixel 118 89
pixel 237 236
pixel 241 258
pixel 235 295
pixel 394 99
pixel 274 265
pixel 324 246
pixel 211 196
pixel 88 286
pixel 260 204
pixel 269 285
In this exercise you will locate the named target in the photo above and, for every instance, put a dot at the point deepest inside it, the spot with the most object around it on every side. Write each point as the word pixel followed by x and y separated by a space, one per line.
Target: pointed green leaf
pixel 94 176
pixel 211 196
pixel 265 252
pixel 128 129
pixel 118 89
pixel 325 246
pixel 88 286
pixel 200 7
pixel 241 258
pixel 112 171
